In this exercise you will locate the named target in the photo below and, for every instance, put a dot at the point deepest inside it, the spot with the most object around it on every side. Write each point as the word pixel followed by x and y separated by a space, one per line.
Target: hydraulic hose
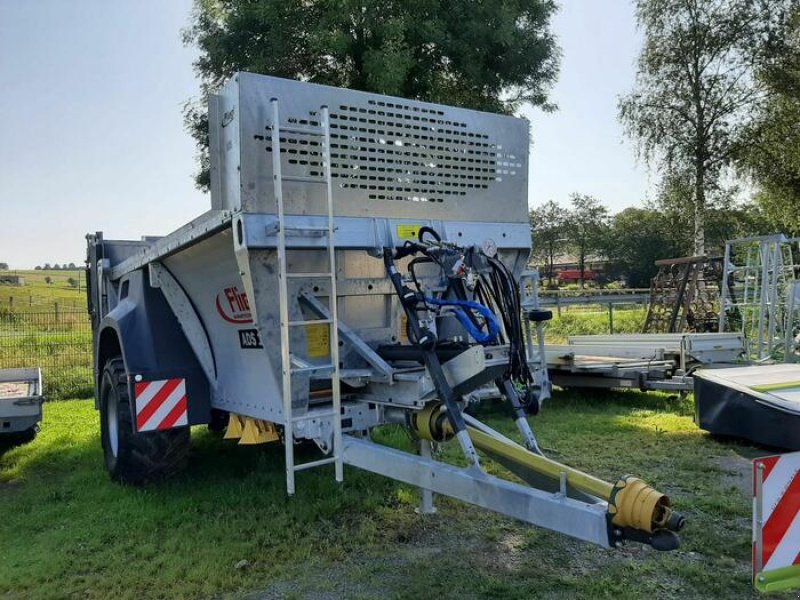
pixel 466 322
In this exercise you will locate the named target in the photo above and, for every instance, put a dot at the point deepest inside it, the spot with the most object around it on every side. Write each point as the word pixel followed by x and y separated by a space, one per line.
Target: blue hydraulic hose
pixel 491 319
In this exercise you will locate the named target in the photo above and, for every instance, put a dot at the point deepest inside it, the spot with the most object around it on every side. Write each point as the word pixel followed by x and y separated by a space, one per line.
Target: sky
pixel 92 136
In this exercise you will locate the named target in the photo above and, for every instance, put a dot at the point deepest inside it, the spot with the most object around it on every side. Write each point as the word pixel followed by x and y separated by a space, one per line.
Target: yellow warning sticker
pixel 408 231
pixel 318 341
pixel 402 333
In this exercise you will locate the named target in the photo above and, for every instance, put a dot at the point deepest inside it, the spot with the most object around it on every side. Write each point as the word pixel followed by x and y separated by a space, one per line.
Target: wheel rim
pixel 113 426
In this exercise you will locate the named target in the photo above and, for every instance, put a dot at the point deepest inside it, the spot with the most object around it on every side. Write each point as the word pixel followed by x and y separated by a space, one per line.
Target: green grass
pixel 60 344
pixel 628 319
pixel 37 295
pixel 46 325
pixel 67 531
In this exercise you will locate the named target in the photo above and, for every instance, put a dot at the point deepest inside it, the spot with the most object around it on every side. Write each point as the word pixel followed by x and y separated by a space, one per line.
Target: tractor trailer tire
pixel 131 457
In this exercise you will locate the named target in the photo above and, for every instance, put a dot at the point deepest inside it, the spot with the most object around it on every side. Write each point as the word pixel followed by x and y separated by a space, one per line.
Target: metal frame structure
pixel 684 295
pixel 759 275
pixel 399 228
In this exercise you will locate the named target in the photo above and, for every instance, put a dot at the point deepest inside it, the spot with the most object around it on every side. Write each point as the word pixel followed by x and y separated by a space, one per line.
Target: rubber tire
pixel 218 421
pixel 141 457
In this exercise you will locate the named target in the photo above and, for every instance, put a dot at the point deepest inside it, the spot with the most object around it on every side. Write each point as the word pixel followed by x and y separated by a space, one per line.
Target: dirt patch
pixel 737 472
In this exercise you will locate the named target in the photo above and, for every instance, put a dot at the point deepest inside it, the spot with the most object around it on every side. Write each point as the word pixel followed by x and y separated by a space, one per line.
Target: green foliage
pixel 637 238
pixel 640 236
pixel 549 230
pixel 772 155
pixel 585 322
pixel 587 227
pixel 695 89
pixel 492 55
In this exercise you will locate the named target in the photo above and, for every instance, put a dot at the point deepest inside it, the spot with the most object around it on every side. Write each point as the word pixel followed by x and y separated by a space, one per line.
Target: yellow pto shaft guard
pixel 631 502
pixel 635 504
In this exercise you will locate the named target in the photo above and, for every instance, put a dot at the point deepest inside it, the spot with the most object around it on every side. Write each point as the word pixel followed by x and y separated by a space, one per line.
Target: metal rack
pixel 758 277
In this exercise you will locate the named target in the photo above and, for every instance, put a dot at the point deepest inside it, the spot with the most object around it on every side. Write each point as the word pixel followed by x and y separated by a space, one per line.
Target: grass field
pixel 37 295
pixel 46 325
pixel 591 320
pixel 67 531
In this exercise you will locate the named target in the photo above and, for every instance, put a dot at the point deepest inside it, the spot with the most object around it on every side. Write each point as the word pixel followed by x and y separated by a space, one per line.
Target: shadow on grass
pixel 74 532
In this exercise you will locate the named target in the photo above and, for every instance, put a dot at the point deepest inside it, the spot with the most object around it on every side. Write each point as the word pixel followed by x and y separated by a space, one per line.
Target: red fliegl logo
pixel 233 306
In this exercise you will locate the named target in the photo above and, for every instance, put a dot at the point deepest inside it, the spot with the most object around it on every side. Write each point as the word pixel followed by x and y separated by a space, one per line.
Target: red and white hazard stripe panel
pixel 161 404
pixel 777 535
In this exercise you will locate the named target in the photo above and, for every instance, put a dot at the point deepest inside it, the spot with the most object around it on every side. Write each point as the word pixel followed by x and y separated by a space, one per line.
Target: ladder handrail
pixel 333 298
pixel 285 323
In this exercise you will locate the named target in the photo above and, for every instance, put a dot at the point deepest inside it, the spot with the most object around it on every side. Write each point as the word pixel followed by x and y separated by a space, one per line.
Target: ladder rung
pixel 312 368
pixel 304 179
pixel 314 322
pixel 300 129
pixel 308 275
pixel 320 415
pixel 315 463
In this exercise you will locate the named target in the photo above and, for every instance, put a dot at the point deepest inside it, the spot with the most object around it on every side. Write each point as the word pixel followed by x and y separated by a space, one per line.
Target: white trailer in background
pixel 359 266
pixel 20 404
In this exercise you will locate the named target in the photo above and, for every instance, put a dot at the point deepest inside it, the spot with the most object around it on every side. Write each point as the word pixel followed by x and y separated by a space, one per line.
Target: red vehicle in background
pixel 574 275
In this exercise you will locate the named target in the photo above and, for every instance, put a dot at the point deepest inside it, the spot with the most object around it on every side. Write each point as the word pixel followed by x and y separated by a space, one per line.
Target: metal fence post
pixel 611 317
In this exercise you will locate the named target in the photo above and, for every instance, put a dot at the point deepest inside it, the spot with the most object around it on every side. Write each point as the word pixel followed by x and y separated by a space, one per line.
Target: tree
pixel 37 268
pixel 636 239
pixel 587 225
pixel 772 156
pixel 548 230
pixel 728 217
pixel 72 266
pixel 72 282
pixel 48 280
pixel 695 88
pixel 46 266
pixel 3 266
pixel 492 55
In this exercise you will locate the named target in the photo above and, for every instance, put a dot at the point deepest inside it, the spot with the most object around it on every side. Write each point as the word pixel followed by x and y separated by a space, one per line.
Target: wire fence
pixel 48 327
pixel 57 339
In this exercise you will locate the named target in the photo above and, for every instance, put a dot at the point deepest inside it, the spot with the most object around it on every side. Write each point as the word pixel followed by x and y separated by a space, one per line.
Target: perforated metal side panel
pixel 390 157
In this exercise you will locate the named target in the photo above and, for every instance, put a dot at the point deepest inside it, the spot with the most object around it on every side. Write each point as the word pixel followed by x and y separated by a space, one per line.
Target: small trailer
pixel 360 265
pixel 648 361
pixel 20 404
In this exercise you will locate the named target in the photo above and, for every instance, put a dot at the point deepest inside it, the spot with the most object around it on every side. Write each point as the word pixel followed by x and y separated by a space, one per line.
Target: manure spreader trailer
pixel 359 266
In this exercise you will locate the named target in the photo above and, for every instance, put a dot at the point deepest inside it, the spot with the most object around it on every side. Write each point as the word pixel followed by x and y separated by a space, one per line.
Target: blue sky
pixel 92 138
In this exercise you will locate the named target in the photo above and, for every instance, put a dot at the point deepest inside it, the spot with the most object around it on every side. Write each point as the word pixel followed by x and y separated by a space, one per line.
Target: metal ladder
pixel 289 370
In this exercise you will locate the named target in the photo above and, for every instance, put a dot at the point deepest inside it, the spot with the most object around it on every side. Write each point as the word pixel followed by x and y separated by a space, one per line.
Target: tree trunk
pixel 699 210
